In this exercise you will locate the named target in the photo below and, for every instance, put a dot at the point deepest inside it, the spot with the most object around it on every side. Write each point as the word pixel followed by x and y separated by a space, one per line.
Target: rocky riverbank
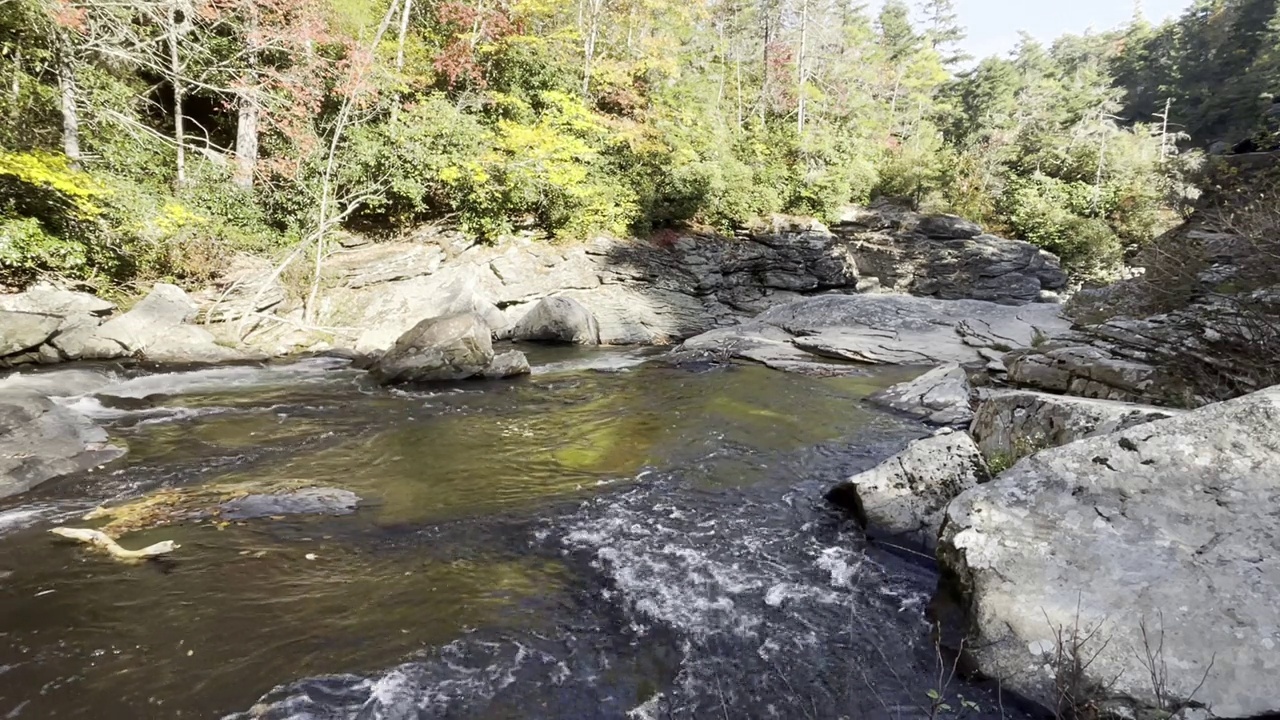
pixel 1070 523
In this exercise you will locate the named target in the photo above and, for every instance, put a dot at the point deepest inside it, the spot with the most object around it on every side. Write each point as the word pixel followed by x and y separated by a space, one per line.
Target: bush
pixel 1059 217
pixel 104 229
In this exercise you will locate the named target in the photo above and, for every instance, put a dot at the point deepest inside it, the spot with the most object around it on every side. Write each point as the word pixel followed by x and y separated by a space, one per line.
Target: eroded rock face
pixel 1174 524
pixel 948 257
pixel 41 440
pixel 560 320
pixel 940 396
pixel 454 347
pixel 908 493
pixel 1011 424
pixel 884 330
pixel 647 292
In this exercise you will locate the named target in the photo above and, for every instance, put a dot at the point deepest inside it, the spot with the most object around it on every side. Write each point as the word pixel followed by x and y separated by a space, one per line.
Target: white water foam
pixel 603 362
pixel 222 379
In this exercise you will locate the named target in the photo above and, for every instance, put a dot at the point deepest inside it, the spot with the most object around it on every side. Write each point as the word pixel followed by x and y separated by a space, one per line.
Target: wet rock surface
pixel 41 440
pixel 305 501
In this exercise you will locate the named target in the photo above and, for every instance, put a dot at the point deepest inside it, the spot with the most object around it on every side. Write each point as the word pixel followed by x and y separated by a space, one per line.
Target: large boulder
pixel 74 309
pixel 558 319
pixel 1172 526
pixel 940 396
pixel 1011 424
pixel 908 493
pixel 454 347
pixel 23 331
pixel 885 330
pixel 41 440
pixel 164 308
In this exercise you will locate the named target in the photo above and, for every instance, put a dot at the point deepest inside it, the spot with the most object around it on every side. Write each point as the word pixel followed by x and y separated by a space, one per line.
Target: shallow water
pixel 607 538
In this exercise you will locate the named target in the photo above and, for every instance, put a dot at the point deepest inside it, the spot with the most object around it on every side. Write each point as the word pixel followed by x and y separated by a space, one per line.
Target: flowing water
pixel 608 538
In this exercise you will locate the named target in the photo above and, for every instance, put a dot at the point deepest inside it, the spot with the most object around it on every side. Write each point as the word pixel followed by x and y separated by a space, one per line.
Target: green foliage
pixel 493 117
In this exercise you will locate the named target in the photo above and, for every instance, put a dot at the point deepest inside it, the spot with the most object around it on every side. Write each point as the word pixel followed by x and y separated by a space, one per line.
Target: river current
pixel 608 538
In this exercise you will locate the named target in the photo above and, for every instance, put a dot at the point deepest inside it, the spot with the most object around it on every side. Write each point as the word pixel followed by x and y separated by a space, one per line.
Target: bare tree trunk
pixel 800 66
pixel 70 115
pixel 595 8
pixel 179 89
pixel 246 140
pixel 326 187
pixel 404 30
pixel 247 112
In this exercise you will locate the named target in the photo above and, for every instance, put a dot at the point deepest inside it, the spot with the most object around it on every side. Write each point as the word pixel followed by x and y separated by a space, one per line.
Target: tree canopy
pixel 149 138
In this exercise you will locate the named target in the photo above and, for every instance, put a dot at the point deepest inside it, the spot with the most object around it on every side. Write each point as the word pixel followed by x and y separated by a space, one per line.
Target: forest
pixel 148 139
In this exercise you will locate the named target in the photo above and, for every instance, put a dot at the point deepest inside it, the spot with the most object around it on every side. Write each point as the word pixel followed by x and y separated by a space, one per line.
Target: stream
pixel 608 538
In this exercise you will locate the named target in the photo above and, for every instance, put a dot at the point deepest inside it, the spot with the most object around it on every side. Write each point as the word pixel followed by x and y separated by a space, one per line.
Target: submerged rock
pixel 558 319
pixel 908 493
pixel 455 347
pixel 41 440
pixel 1011 424
pixel 940 396
pixel 220 502
pixel 1172 525
pixel 306 501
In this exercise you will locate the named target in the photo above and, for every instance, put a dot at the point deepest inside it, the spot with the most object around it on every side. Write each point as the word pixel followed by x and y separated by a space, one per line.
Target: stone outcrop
pixel 947 257
pixel 46 325
pixel 908 493
pixel 639 291
pixel 940 396
pixel 1172 524
pixel 41 440
pixel 1011 424
pixel 560 320
pixel 884 330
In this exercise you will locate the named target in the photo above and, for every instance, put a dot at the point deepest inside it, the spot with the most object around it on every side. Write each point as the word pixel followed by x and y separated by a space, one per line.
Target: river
pixel 608 538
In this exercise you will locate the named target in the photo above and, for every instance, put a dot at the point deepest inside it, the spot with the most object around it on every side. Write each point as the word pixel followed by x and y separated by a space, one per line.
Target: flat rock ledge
pixel 884 330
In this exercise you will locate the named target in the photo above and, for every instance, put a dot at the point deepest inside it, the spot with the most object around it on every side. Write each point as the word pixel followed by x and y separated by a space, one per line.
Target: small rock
pixel 507 364
pixel 940 396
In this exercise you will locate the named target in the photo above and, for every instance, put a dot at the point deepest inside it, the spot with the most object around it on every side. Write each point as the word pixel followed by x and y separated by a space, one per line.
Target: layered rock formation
pixel 638 291
pixel 46 325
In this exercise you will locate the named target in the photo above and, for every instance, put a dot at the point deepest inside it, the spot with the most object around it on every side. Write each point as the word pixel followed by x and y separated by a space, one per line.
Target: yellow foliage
pixel 174 217
pixel 53 172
